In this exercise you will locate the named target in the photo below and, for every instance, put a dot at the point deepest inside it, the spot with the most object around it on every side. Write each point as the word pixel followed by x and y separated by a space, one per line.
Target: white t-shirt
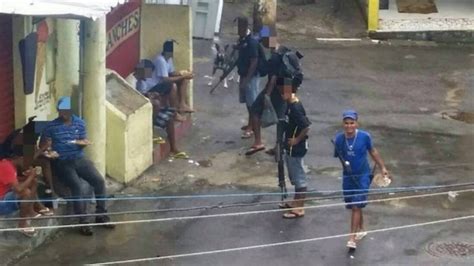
pixel 162 68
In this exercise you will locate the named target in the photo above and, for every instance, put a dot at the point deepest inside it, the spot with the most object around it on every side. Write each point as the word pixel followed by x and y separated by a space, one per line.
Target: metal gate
pixel 6 77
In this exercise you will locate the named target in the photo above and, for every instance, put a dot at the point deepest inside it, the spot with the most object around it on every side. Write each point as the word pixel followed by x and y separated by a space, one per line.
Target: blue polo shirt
pixel 62 135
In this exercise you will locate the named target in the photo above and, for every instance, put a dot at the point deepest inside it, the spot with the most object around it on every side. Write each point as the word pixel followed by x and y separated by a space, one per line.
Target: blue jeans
pixel 71 173
pixel 250 92
pixel 8 204
pixel 296 171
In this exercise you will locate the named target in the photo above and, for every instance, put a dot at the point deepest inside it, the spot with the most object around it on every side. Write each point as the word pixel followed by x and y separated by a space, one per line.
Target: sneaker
pixel 351 244
pixel 104 219
pixel 86 230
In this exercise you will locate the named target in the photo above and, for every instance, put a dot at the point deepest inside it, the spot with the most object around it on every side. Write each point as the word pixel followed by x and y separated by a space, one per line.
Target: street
pixel 417 100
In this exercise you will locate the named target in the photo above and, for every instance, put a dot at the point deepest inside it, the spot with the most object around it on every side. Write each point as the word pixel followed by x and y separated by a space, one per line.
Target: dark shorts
pixel 8 204
pixel 278 104
pixel 355 189
pixel 163 88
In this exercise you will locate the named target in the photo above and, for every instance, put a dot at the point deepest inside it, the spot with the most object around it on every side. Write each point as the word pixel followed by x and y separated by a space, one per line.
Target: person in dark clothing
pixel 296 146
pixel 274 65
pixel 247 69
pixel 67 135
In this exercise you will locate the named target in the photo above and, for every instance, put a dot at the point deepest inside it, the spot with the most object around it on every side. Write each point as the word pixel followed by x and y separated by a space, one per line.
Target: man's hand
pixel 292 141
pixel 29 172
pixel 385 173
pixel 83 142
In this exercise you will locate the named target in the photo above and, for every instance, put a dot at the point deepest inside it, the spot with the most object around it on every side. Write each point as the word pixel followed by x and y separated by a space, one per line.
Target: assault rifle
pixel 279 158
pixel 230 61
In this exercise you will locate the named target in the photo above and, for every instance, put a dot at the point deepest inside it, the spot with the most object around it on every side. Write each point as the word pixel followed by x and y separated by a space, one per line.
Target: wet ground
pixel 407 96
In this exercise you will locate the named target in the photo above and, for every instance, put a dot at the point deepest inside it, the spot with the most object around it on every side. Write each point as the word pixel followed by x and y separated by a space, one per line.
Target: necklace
pixel 350 147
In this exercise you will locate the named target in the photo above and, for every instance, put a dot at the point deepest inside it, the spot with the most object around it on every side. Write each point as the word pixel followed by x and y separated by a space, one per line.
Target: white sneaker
pixel 360 235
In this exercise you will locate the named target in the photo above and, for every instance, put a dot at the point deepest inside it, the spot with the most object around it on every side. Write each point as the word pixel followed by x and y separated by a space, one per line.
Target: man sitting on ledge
pixel 67 135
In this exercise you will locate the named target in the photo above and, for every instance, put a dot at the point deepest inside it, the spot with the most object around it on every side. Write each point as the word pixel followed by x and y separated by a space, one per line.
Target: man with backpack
pixel 282 63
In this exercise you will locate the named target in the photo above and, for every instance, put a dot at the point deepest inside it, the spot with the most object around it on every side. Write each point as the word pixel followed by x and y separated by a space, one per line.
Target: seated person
pixel 163 124
pixel 149 87
pixel 14 187
pixel 164 73
pixel 67 135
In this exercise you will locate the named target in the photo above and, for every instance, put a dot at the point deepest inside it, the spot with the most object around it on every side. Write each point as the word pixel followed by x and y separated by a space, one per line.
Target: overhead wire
pixel 181 218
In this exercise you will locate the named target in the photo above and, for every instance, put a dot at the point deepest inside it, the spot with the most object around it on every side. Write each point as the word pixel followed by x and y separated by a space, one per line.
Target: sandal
pixel 254 149
pixel 28 231
pixel 245 128
pixel 247 134
pixel 159 140
pixel 351 244
pixel 180 155
pixel 292 215
pixel 360 235
pixel 285 205
pixel 45 212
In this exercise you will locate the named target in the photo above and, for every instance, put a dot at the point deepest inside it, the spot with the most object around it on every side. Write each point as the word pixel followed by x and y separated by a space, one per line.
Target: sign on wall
pixel 123 38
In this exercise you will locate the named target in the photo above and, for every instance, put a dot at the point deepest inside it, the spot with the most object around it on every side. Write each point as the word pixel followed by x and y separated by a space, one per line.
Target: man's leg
pixel 26 208
pixel 87 171
pixel 355 222
pixel 67 174
pixel 183 95
pixel 171 137
pixel 174 102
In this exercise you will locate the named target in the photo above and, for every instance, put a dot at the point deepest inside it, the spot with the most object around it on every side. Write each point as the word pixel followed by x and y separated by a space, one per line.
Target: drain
pixel 450 249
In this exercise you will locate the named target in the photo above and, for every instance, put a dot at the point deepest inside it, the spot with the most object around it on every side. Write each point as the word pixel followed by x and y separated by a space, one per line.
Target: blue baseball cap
pixel 352 114
pixel 64 103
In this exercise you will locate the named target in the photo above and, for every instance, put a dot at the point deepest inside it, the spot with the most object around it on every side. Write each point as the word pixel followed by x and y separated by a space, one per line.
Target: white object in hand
pixel 347 163
pixel 72 141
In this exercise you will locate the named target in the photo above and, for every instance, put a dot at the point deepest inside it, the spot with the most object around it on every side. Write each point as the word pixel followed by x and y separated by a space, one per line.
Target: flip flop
pixel 284 205
pixel 28 231
pixel 351 244
pixel 159 140
pixel 247 134
pixel 292 215
pixel 245 128
pixel 271 152
pixel 46 212
pixel 253 150
pixel 360 235
pixel 180 155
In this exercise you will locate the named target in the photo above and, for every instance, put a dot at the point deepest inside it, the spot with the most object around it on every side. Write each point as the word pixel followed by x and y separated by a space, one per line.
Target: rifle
pixel 228 66
pixel 279 159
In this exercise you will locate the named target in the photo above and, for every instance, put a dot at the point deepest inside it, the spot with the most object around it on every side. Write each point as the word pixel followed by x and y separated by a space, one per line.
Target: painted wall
pixel 41 101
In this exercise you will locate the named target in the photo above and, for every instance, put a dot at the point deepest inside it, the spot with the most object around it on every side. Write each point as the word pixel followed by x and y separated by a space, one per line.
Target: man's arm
pixel 270 85
pixel 374 153
pixel 250 72
pixel 18 187
pixel 299 138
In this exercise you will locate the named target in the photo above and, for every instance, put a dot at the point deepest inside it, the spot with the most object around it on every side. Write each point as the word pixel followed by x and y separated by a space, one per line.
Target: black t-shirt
pixel 248 49
pixel 297 121
pixel 274 64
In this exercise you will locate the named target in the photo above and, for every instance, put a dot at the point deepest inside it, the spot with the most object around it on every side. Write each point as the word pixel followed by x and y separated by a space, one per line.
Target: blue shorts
pixel 355 189
pixel 296 171
pixel 250 93
pixel 7 207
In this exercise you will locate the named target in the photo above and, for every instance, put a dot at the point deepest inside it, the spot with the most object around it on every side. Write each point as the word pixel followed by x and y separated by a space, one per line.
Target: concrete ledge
pixel 437 36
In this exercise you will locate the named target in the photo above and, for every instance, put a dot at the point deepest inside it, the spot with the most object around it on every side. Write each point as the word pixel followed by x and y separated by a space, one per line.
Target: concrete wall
pixel 129 130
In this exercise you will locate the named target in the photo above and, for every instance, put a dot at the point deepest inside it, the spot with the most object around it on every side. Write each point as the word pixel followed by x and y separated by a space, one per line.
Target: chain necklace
pixel 350 147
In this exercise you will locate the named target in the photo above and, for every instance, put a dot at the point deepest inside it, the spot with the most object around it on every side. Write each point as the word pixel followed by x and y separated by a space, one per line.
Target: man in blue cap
pixel 352 147
pixel 67 136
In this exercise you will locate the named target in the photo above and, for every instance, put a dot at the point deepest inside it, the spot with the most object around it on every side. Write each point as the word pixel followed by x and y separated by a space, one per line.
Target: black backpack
pixel 291 67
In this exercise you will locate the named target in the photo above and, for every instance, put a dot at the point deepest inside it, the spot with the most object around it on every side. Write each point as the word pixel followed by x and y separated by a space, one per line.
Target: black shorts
pixel 163 88
pixel 278 104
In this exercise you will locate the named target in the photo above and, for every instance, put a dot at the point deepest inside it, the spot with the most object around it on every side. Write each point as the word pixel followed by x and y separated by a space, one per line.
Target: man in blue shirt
pixel 67 136
pixel 352 147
